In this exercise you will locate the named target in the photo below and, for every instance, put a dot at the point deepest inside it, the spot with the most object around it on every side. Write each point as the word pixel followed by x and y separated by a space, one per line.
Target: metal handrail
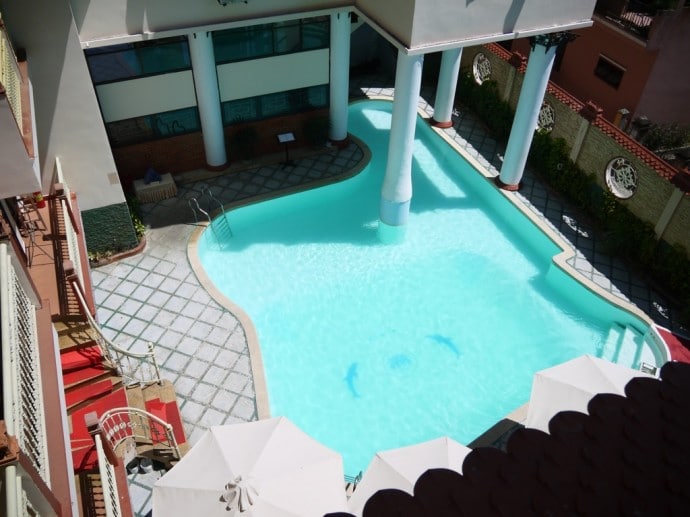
pixel 128 364
pixel 122 423
pixel 71 226
pixel 111 498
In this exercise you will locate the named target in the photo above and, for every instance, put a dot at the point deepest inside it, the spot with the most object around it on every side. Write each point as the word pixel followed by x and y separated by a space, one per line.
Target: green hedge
pixel 625 235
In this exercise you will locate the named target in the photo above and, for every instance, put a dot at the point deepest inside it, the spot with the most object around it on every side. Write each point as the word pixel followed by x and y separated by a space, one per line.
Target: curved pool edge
pixel 255 357
pixel 561 259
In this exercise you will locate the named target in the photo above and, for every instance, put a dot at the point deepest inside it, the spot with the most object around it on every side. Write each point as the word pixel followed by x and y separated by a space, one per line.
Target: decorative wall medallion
pixel 481 68
pixel 621 178
pixel 547 118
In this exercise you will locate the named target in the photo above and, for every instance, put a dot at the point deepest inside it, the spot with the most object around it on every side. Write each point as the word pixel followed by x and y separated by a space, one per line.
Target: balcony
pixel 20 173
pixel 634 17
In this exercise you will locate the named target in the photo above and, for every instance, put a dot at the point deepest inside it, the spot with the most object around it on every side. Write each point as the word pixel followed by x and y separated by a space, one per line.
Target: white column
pixel 208 98
pixel 445 89
pixel 397 183
pixel 340 76
pixel 527 112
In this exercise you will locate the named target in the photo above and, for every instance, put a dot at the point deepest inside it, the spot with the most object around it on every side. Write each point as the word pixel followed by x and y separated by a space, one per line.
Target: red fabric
pixel 170 413
pixel 678 346
pixel 80 375
pixel 84 357
pixel 82 444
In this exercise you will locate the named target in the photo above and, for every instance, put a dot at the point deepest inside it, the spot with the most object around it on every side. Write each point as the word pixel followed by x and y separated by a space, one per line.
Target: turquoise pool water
pixel 370 346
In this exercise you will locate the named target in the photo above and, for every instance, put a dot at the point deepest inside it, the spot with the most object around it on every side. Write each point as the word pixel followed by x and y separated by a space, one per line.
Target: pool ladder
pixel 220 225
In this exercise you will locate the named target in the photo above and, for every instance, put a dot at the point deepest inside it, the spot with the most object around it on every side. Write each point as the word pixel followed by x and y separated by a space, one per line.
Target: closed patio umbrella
pixel 266 468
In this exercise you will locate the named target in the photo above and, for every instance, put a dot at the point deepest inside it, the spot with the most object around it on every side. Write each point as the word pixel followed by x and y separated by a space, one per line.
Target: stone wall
pixel 661 198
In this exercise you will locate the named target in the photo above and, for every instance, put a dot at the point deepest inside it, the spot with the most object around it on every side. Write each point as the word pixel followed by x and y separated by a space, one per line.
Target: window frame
pixel 606 67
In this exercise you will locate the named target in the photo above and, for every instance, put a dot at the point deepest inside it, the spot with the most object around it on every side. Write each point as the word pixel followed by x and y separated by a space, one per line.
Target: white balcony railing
pixel 134 368
pixel 10 76
pixel 71 233
pixel 127 423
pixel 111 498
pixel 21 376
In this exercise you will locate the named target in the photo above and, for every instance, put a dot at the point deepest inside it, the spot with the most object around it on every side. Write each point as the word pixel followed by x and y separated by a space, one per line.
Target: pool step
pixel 623 345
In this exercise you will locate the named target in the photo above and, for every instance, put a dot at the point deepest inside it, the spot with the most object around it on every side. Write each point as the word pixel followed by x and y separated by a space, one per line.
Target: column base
pixel 388 234
pixel 441 125
pixel 217 168
pixel 340 144
pixel 506 186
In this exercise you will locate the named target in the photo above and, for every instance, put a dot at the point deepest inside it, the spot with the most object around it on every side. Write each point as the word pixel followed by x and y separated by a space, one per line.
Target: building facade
pixel 631 62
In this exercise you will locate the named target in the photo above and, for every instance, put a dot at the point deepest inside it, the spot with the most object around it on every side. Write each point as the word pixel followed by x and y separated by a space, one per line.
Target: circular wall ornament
pixel 481 68
pixel 621 178
pixel 547 118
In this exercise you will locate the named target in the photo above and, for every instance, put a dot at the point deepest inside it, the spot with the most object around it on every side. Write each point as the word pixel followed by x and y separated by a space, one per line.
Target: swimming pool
pixel 370 346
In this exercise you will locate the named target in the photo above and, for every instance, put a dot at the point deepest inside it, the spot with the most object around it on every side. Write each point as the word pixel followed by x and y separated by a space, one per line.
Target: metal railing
pixel 111 497
pixel 634 17
pixel 134 368
pixel 71 232
pixel 17 500
pixel 121 424
pixel 10 76
pixel 22 388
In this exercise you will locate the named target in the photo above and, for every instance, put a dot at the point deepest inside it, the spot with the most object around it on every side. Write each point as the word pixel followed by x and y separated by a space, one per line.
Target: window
pixel 271 39
pixel 132 60
pixel 609 72
pixel 275 104
pixel 243 43
pixel 153 127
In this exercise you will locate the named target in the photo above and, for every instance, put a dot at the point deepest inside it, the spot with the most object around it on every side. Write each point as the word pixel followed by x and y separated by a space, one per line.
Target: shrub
pixel 626 236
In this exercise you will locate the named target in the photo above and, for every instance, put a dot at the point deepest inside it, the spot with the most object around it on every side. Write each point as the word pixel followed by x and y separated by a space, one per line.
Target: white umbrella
pixel 571 385
pixel 400 468
pixel 266 468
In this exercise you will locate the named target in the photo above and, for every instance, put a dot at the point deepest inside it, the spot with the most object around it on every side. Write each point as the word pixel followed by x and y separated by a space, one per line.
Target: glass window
pixel 271 39
pixel 240 110
pixel 157 59
pixel 275 104
pixel 317 96
pixel 286 37
pixel 176 122
pixel 243 43
pixel 609 72
pixel 130 131
pixel 316 34
pixel 151 127
pixel 131 60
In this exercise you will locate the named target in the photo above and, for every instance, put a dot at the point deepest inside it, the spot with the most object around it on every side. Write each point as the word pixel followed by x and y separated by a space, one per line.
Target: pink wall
pixel 656 82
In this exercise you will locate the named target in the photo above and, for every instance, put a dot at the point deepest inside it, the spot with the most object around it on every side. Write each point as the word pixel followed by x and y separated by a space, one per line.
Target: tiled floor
pixel 202 348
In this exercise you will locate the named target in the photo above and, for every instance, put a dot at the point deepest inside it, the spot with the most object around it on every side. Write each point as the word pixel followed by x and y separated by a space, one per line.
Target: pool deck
pixel 204 346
